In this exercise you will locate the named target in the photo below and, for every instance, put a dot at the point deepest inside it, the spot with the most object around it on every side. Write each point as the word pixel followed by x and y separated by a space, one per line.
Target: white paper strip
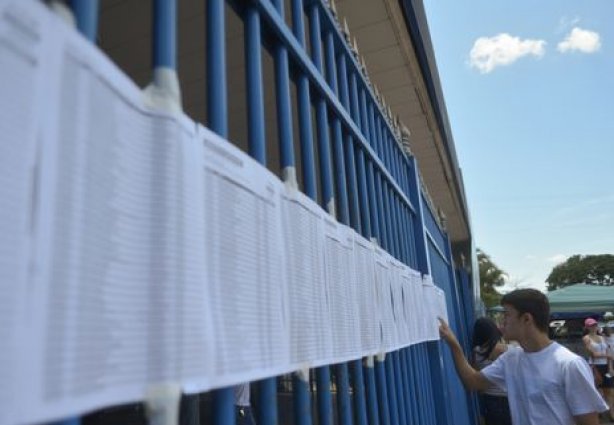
pixel 343 293
pixel 244 259
pixel 310 318
pixel 368 311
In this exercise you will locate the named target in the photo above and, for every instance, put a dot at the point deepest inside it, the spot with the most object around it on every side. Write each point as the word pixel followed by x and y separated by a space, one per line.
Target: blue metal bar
pixel 371 389
pixel 86 15
pixel 331 63
pixel 387 218
pixel 325 404
pixel 217 108
pixel 344 408
pixel 355 221
pixel 321 112
pixel 71 421
pixel 373 210
pixel 402 234
pixel 354 108
pixel 393 225
pixel 422 253
pixel 373 129
pixel 400 389
pixel 344 96
pixel 340 173
pixel 342 197
pixel 420 385
pixel 267 402
pixel 255 97
pixel 380 137
pixel 364 119
pixel 304 101
pixel 284 108
pixel 165 34
pixel 360 163
pixel 217 97
pixel 223 406
pixel 301 399
pixel 407 388
pixel 358 385
pixel 380 183
pixel 392 390
pixel 382 393
pixel 362 192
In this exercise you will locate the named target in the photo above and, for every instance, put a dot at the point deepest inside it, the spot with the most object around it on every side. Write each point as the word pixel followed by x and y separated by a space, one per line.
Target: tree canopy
pixel 491 277
pixel 593 269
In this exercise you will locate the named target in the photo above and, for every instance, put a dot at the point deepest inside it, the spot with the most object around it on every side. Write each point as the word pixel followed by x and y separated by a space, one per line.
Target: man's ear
pixel 526 318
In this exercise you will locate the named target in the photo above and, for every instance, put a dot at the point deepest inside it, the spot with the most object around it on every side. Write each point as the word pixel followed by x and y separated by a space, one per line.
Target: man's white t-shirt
pixel 550 386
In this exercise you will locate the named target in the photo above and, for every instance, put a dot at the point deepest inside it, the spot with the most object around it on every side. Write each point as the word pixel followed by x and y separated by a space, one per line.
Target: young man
pixel 546 383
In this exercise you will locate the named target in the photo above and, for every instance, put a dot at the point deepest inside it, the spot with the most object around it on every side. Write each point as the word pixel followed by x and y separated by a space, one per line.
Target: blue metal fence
pixel 365 179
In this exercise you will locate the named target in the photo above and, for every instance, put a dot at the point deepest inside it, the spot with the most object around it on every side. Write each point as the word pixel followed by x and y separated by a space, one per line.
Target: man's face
pixel 512 326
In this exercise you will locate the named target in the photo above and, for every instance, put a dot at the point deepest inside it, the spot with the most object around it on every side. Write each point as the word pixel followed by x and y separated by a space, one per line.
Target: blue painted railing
pixel 365 179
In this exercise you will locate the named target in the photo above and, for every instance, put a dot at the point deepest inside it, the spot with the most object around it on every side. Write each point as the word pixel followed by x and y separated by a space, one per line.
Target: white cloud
pixel 557 258
pixel 530 257
pixel 580 40
pixel 503 49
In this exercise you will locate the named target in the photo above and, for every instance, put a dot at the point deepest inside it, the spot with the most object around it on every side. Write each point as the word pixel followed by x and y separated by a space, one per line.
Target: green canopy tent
pixel 582 298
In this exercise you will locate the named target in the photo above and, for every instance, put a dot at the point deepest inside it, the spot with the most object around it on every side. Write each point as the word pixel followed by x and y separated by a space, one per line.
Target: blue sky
pixel 529 89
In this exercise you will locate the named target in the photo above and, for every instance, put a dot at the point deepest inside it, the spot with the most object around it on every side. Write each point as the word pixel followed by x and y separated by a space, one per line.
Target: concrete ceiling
pixel 383 41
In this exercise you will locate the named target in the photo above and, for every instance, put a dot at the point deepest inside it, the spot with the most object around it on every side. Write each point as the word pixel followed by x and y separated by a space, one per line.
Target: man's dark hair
pixel 530 301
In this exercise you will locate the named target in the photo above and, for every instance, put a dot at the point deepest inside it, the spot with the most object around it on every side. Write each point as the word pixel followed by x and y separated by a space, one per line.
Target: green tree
pixel 593 269
pixel 491 277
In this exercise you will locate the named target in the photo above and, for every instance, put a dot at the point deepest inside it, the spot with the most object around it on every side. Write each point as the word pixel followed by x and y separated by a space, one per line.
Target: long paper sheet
pixel 244 261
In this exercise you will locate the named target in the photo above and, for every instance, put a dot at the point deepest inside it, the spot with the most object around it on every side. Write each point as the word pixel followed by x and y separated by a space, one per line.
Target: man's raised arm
pixel 472 379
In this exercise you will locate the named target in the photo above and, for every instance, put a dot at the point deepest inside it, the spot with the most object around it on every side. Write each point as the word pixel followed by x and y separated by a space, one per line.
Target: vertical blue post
pixel 331 72
pixel 284 108
pixel 267 388
pixel 217 97
pixel 392 391
pixel 348 147
pixel 373 129
pixel 359 385
pixel 321 113
pixel 255 97
pixel 304 108
pixel 344 410
pixel 165 34
pixel 380 182
pixel 371 389
pixel 360 160
pixel 398 377
pixel 325 405
pixel 217 109
pixel 343 384
pixel 373 211
pixel 267 402
pixel 86 15
pixel 382 392
pixel 410 405
pixel 301 398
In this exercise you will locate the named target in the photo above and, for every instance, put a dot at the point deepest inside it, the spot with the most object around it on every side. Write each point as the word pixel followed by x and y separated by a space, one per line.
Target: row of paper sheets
pixel 139 247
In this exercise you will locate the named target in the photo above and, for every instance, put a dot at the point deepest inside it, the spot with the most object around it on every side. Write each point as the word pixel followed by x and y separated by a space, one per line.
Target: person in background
pixel 487 346
pixel 243 407
pixel 546 383
pixel 599 359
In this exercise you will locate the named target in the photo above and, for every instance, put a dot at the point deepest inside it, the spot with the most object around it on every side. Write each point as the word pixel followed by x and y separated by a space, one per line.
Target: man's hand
pixel 446 333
